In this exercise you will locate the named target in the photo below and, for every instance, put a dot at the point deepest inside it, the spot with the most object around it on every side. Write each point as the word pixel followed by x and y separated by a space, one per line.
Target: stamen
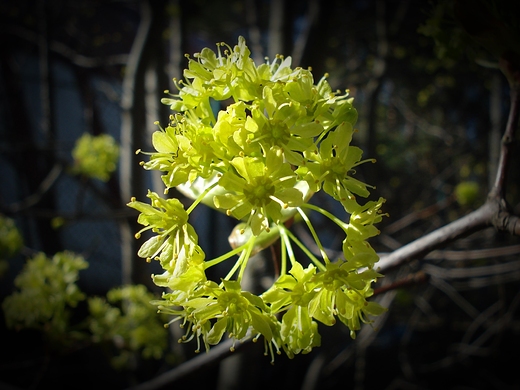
pixel 279 201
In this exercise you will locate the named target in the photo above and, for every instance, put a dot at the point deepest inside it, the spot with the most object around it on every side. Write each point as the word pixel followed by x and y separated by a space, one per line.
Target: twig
pixel 450 291
pixel 507 140
pixel 214 355
pixel 473 272
pixel 44 187
pixel 417 249
pixel 66 51
pixel 494 212
pixel 420 214
pixel 409 280
pixel 474 254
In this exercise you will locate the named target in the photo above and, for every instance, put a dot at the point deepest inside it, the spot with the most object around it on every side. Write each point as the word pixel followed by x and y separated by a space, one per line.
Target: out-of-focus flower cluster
pixel 95 156
pixel 46 293
pixel 278 139
pixel 47 296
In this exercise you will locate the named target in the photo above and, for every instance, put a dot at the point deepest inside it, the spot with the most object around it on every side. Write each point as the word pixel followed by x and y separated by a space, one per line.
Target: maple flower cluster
pixel 278 139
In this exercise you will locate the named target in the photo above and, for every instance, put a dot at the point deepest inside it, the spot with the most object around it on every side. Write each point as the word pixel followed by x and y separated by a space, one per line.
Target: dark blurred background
pixel 432 109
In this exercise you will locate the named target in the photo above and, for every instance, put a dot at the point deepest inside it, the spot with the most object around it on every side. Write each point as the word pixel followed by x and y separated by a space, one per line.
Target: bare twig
pixel 44 187
pixel 408 280
pixel 408 219
pixel 507 140
pixel 417 249
pixel 421 123
pixel 216 354
pixel 473 254
pixel 65 51
pixel 494 212
pixel 474 272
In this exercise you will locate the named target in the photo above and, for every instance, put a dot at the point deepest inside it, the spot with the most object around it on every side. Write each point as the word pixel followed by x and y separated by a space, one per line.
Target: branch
pixel 507 140
pixel 470 223
pixel 65 51
pixel 197 363
pixel 408 219
pixel 495 212
pixel 44 187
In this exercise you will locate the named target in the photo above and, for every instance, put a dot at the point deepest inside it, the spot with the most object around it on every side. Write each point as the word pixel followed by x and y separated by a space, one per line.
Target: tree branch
pixel 507 140
pixel 42 190
pixel 215 354
pixel 495 212
pixel 417 249
pixel 65 51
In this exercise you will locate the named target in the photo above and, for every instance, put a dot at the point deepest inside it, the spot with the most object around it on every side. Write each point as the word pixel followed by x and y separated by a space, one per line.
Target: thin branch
pixel 215 354
pixel 493 280
pixel 417 215
pixel 409 280
pixel 469 254
pixel 417 249
pixel 507 140
pixel 454 295
pixel 495 212
pixel 473 272
pixel 65 51
pixel 473 254
pixel 43 188
pixel 420 122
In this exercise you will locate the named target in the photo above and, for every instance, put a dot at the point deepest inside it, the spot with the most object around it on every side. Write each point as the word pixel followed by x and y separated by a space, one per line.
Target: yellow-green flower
pixel 278 138
pixel 340 289
pixel 175 242
pixel 259 189
pixel 333 166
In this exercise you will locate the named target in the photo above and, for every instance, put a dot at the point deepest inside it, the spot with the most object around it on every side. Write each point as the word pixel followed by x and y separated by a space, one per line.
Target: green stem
pixel 246 258
pixel 327 214
pixel 286 248
pixel 200 197
pixel 305 250
pixel 225 256
pixel 314 235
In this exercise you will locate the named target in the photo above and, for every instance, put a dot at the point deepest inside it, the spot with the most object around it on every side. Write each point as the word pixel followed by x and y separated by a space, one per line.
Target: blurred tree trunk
pixel 275 44
pixel 375 84
pixel 50 241
pixel 29 162
pixel 144 77
pixel 302 40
